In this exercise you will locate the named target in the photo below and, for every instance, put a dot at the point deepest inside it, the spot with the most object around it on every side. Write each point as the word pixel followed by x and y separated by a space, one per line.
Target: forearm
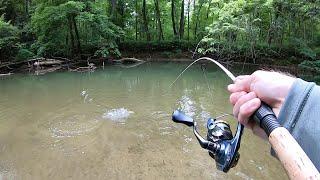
pixel 300 114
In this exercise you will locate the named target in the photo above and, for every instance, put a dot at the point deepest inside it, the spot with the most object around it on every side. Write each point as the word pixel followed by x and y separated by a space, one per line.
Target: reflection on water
pixel 116 124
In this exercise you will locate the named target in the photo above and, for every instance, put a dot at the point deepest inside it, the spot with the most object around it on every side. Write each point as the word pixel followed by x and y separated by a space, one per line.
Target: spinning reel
pixel 222 145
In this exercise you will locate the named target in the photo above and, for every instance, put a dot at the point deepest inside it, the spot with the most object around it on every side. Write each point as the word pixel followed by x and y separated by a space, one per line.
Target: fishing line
pixel 225 70
pixel 206 79
pixel 210 92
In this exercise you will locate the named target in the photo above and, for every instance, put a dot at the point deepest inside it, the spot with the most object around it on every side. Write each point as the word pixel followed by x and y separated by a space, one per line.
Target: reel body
pixel 218 132
pixel 222 145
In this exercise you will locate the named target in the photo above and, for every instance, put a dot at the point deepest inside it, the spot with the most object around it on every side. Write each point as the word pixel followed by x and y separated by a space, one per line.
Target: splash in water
pixel 118 115
pixel 85 96
pixel 187 105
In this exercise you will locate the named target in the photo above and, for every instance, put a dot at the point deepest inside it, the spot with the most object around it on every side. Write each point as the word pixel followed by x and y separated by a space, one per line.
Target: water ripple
pixel 7 171
pixel 160 115
pixel 70 126
pixel 70 129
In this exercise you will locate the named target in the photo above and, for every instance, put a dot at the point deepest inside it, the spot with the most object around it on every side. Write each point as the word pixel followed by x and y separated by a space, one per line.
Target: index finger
pixel 241 83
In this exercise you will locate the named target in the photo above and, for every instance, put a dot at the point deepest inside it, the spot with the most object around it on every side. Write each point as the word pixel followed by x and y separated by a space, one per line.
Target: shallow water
pixel 115 123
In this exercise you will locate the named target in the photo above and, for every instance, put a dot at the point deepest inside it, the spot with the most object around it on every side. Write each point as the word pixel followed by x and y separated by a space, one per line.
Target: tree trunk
pixel 77 34
pixel 270 31
pixel 181 30
pixel 121 11
pixel 156 3
pixel 145 20
pixel 113 4
pixel 208 10
pixel 197 21
pixel 173 11
pixel 189 20
pixel 304 30
pixel 71 36
pixel 136 14
pixel 26 2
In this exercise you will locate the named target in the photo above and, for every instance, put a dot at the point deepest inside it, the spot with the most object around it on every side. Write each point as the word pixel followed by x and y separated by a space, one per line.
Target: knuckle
pixel 242 93
pixel 234 97
pixel 252 95
pixel 258 73
pixel 246 97
pixel 243 111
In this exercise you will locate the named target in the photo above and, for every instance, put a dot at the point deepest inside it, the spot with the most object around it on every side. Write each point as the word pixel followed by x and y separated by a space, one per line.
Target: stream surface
pixel 115 123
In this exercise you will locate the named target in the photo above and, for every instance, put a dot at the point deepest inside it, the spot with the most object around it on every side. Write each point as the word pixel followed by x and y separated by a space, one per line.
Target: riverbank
pixel 49 65
pixel 178 53
pixel 284 65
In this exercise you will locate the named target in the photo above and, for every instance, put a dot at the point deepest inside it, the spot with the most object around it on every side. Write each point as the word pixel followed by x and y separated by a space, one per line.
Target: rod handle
pixel 295 161
pixel 266 118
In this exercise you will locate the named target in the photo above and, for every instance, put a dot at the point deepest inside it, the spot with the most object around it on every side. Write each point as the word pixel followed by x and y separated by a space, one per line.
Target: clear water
pixel 115 123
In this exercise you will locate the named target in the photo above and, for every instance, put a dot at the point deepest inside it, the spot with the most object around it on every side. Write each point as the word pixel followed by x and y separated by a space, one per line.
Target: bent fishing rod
pixel 223 147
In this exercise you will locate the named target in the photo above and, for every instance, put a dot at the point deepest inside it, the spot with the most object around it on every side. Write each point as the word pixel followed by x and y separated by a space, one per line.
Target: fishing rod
pixel 223 147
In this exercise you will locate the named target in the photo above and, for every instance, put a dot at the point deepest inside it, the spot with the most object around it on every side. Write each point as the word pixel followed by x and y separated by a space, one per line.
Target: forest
pixel 255 31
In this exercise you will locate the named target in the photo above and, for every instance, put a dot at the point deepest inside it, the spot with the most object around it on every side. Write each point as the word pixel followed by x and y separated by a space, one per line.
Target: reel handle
pixel 295 161
pixel 180 117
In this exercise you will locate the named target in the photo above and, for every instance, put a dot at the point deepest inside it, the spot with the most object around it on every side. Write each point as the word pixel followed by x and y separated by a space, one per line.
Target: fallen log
pixel 29 62
pixel 90 67
pixel 48 62
pixel 127 60
pixel 45 71
pixel 8 74
pixel 131 65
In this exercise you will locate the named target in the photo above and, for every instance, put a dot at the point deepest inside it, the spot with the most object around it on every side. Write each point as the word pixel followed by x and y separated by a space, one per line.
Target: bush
pixel 24 54
pixel 302 48
pixel 145 46
pixel 312 67
pixel 9 40
pixel 55 37
pixel 110 50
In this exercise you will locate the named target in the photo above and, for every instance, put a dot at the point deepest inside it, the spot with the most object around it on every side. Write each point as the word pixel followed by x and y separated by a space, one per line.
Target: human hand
pixel 248 91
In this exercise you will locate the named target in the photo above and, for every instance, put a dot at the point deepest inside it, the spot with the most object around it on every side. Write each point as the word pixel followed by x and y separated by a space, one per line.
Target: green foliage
pixel 59 28
pixel 302 48
pixel 24 54
pixel 313 69
pixel 311 65
pixel 49 24
pixel 145 46
pixel 248 25
pixel 238 29
pixel 110 49
pixel 14 11
pixel 9 38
